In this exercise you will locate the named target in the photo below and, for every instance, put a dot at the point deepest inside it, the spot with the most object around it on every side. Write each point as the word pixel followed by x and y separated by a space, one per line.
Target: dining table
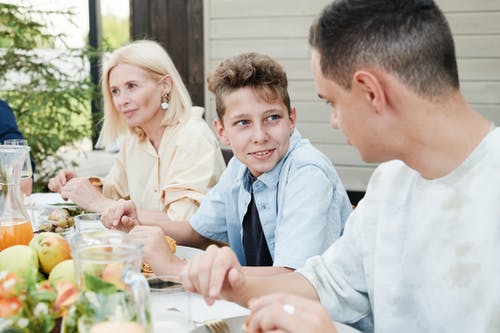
pixel 234 314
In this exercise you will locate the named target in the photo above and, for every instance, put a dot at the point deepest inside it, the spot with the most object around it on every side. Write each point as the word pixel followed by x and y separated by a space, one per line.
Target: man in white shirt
pixel 420 252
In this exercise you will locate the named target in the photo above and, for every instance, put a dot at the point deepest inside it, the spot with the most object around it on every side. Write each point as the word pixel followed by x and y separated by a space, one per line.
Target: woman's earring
pixel 164 101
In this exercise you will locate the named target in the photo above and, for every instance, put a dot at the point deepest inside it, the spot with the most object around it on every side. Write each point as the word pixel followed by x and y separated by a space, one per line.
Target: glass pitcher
pixel 112 288
pixel 15 225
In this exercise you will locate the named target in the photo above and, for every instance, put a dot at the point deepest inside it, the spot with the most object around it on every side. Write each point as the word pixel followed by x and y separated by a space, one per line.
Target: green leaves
pixel 98 285
pixel 49 90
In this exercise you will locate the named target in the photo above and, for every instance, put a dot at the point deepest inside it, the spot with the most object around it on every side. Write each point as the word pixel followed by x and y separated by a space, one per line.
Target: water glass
pixel 170 306
pixel 26 173
pixel 88 221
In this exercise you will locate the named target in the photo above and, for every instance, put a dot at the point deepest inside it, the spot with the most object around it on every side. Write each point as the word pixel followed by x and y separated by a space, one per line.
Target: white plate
pixel 235 325
pixel 43 199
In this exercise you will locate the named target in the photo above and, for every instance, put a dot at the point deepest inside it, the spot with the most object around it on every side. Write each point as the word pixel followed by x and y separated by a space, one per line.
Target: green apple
pixel 51 249
pixel 20 260
pixel 63 271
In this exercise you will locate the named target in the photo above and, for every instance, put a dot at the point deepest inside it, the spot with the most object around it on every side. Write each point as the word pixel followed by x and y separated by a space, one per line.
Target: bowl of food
pixel 59 220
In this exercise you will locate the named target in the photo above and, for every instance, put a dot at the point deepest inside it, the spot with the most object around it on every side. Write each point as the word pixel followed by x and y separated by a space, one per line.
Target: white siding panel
pixel 276 48
pixel 355 178
pixel 259 8
pixel 474 23
pixel 261 27
pixel 342 154
pixel 479 69
pixel 483 46
pixel 302 90
pixel 482 92
pixel 312 111
pixel 491 112
pixel 468 5
pixel 321 133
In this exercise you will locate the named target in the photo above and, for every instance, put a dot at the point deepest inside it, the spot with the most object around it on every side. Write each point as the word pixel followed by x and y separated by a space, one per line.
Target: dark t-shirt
pixel 254 242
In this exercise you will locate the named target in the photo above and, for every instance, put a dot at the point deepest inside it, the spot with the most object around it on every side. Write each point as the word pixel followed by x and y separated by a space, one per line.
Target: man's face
pixel 258 131
pixel 350 111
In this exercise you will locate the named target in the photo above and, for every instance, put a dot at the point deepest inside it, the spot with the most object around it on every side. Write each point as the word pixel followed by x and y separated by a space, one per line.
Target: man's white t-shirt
pixel 420 255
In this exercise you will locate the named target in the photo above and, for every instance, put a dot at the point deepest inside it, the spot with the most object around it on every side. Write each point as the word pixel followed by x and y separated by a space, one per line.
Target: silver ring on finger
pixel 288 308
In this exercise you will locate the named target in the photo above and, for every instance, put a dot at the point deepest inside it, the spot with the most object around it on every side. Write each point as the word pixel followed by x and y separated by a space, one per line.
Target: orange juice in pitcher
pixel 15 232
pixel 15 226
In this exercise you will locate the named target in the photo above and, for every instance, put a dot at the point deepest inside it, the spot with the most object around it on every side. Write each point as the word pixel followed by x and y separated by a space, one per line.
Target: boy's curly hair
pixel 257 71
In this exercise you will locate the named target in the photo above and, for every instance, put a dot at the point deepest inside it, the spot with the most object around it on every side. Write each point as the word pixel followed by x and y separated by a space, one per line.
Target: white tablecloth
pixel 200 311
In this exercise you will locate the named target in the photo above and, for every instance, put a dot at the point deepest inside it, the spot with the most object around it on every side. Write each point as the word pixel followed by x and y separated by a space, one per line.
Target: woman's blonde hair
pixel 151 57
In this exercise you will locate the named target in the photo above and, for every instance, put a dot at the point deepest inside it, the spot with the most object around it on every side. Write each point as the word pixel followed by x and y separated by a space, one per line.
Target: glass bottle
pixel 15 225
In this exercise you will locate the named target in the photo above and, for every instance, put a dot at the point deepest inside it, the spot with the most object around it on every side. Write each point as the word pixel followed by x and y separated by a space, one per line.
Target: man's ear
pixel 220 131
pixel 167 82
pixel 371 86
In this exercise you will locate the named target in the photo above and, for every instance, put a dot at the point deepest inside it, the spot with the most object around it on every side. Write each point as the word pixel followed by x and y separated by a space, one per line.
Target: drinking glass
pixel 26 173
pixel 88 221
pixel 170 305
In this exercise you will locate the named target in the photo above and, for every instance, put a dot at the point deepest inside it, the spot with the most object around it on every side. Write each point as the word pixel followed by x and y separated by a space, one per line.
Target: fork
pixel 217 326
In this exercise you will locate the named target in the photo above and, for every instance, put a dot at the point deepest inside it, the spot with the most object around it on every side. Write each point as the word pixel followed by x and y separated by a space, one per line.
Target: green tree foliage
pixel 115 32
pixel 49 90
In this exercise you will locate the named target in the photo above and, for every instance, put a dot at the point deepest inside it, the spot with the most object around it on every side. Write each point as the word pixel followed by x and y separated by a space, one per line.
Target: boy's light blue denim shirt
pixel 302 205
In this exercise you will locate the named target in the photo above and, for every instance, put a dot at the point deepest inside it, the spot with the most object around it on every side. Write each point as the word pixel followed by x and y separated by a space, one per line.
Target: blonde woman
pixel 169 158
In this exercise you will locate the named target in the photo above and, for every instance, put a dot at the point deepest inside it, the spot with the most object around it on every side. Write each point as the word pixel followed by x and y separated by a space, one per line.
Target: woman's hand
pixel 85 195
pixel 286 313
pixel 26 185
pixel 121 215
pixel 62 177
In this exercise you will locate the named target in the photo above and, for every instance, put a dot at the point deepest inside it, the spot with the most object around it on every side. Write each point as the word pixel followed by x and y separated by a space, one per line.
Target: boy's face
pixel 257 131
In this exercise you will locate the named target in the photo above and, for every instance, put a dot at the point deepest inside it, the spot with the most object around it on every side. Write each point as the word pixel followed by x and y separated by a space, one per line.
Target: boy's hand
pixel 122 215
pixel 216 273
pixel 156 251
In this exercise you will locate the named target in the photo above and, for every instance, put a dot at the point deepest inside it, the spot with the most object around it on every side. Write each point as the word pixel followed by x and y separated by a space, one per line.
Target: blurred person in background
pixel 9 130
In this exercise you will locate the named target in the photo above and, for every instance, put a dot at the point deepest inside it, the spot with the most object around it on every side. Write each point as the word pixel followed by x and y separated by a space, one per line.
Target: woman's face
pixel 136 96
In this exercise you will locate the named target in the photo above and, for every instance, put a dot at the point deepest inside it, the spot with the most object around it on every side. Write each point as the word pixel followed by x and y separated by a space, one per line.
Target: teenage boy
pixel 420 252
pixel 279 202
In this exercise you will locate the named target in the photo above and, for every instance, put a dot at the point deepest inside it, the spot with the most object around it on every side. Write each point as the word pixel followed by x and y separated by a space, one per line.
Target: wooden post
pixel 95 72
pixel 178 26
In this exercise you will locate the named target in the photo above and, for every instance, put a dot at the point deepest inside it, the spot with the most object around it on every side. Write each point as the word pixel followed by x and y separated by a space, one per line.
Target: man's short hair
pixel 409 39
pixel 257 71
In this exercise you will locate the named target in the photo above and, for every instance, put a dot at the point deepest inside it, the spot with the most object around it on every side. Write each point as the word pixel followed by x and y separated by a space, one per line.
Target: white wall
pixel 279 28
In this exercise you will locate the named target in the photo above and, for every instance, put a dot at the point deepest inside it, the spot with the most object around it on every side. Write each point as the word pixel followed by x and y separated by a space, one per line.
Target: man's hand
pixel 288 313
